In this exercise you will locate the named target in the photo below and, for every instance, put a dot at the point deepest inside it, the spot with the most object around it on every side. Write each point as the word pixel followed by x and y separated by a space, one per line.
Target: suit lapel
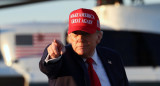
pixel 82 65
pixel 107 63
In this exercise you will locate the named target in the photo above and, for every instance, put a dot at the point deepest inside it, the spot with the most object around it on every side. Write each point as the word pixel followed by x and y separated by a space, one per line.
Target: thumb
pixel 63 50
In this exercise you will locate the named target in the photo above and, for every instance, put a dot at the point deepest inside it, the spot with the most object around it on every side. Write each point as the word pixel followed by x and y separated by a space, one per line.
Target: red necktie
pixel 92 74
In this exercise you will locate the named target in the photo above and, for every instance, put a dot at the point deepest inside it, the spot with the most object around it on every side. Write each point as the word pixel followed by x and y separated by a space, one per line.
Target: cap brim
pixel 85 29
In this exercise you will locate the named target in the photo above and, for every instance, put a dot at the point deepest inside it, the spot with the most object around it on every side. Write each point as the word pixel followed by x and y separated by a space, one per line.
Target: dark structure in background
pixel 107 2
pixel 1 58
pixel 11 81
pixel 136 48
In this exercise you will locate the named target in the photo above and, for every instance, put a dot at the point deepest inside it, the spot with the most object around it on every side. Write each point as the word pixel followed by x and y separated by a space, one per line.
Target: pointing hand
pixel 56 49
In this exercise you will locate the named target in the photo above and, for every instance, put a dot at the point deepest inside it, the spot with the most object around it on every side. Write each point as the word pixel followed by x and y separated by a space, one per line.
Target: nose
pixel 80 38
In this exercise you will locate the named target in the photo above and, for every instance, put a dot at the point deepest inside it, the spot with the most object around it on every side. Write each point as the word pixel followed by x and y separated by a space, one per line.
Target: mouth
pixel 81 45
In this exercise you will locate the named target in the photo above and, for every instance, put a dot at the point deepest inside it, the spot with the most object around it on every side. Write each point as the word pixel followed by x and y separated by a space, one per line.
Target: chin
pixel 80 52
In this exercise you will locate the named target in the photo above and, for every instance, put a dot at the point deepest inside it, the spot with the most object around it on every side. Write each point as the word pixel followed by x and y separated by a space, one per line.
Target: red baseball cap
pixel 83 20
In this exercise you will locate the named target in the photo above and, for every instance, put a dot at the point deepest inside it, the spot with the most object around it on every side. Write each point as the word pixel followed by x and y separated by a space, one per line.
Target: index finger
pixel 59 44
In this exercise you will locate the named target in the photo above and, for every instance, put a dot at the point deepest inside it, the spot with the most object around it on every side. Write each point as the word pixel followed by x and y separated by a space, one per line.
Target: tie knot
pixel 89 60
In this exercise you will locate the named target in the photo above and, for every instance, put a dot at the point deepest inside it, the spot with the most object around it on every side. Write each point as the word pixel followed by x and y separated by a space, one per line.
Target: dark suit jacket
pixel 70 70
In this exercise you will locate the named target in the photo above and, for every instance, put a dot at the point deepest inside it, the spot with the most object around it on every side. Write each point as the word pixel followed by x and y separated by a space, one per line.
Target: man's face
pixel 84 43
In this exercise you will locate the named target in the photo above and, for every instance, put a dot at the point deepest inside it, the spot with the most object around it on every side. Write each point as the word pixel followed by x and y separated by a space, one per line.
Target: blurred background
pixel 131 27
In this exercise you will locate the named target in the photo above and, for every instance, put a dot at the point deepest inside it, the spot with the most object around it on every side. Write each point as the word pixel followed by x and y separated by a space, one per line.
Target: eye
pixel 85 34
pixel 81 33
pixel 73 34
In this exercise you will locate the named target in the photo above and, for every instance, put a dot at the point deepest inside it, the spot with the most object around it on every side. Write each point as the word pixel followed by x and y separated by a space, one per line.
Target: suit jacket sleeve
pixel 50 68
pixel 125 79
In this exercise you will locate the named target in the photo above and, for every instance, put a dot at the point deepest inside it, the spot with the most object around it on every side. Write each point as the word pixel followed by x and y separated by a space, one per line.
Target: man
pixel 82 63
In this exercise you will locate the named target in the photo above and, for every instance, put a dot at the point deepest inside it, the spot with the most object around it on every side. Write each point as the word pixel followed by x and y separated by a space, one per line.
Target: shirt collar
pixel 94 57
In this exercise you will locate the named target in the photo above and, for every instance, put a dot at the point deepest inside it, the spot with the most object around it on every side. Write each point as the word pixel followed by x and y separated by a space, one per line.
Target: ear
pixel 99 36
